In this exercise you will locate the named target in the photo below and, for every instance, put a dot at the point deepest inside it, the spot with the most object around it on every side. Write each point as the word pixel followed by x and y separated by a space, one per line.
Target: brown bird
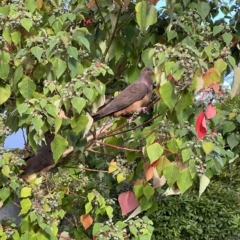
pixel 131 99
pixel 42 159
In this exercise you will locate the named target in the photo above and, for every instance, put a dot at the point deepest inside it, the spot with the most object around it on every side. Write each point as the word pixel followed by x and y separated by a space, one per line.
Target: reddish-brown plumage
pixel 131 99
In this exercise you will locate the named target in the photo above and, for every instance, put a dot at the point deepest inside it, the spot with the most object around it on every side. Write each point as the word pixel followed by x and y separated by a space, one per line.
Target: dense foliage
pixel 61 60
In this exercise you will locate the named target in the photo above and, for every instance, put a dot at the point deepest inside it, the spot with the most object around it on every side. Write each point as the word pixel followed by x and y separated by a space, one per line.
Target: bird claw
pixel 144 110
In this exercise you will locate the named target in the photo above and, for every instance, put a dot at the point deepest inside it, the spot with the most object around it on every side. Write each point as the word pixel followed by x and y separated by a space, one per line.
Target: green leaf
pixel 109 211
pixel 171 173
pixel 5 92
pixel 154 151
pixel 146 57
pixel 51 110
pixel 119 48
pixel 22 108
pixel 89 93
pixel 27 87
pixel 85 42
pixel 37 123
pixel 203 9
pixel 148 191
pixel 57 26
pixel 26 192
pixel 168 67
pixel 232 140
pixel 204 181
pixel 90 196
pixel 185 101
pixel 75 67
pixel 185 180
pixel 58 146
pixel 133 230
pixel 145 204
pixel 31 5
pixel 88 207
pixel 59 66
pixel 16 37
pixel 228 127
pixel 146 15
pixel 168 95
pixel 6 35
pixel 232 61
pixel 227 38
pixel 37 52
pixel 78 103
pixel 26 205
pixel 4 70
pixel 220 65
pixel 4 193
pixel 96 228
pixel 217 29
pixel 208 147
pixel 5 57
pixel 6 170
pixel 186 154
pixel 79 122
pixel 26 23
pixel 171 35
pixel 73 52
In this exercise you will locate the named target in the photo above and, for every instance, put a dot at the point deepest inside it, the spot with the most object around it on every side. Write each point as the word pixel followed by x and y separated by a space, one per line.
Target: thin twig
pixel 125 124
pixel 118 147
pixel 66 238
pixel 99 10
pixel 106 154
pixel 112 36
pixel 92 170
pixel 127 20
pixel 131 129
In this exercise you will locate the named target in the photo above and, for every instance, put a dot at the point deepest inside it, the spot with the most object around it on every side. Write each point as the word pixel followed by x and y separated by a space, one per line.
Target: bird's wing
pixel 128 96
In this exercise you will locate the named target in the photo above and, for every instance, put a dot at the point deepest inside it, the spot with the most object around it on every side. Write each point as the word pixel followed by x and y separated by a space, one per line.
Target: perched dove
pixel 42 159
pixel 132 99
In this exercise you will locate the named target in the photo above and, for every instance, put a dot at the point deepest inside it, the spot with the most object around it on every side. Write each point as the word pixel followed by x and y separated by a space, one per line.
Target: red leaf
pixel 154 164
pixel 215 87
pixel 210 111
pixel 128 202
pixel 201 125
pixel 214 132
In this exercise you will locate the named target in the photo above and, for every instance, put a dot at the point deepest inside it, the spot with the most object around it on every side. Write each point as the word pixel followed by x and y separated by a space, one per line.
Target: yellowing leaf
pixel 211 76
pixel 120 177
pixel 112 166
pixel 208 147
pixel 204 181
pixel 26 192
pixel 148 171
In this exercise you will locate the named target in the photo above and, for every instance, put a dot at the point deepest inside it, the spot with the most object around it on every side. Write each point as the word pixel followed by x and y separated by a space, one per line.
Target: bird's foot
pixel 143 110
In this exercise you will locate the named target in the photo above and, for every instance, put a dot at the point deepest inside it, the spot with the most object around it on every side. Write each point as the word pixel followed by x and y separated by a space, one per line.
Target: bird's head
pixel 147 71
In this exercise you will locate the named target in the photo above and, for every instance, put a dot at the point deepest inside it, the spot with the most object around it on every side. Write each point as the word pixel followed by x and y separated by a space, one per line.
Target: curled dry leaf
pixel 158 181
pixel 62 114
pixel 86 221
pixel 148 171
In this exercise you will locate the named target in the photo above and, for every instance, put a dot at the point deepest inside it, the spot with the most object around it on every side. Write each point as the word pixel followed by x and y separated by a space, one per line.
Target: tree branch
pixel 112 37
pixel 117 147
